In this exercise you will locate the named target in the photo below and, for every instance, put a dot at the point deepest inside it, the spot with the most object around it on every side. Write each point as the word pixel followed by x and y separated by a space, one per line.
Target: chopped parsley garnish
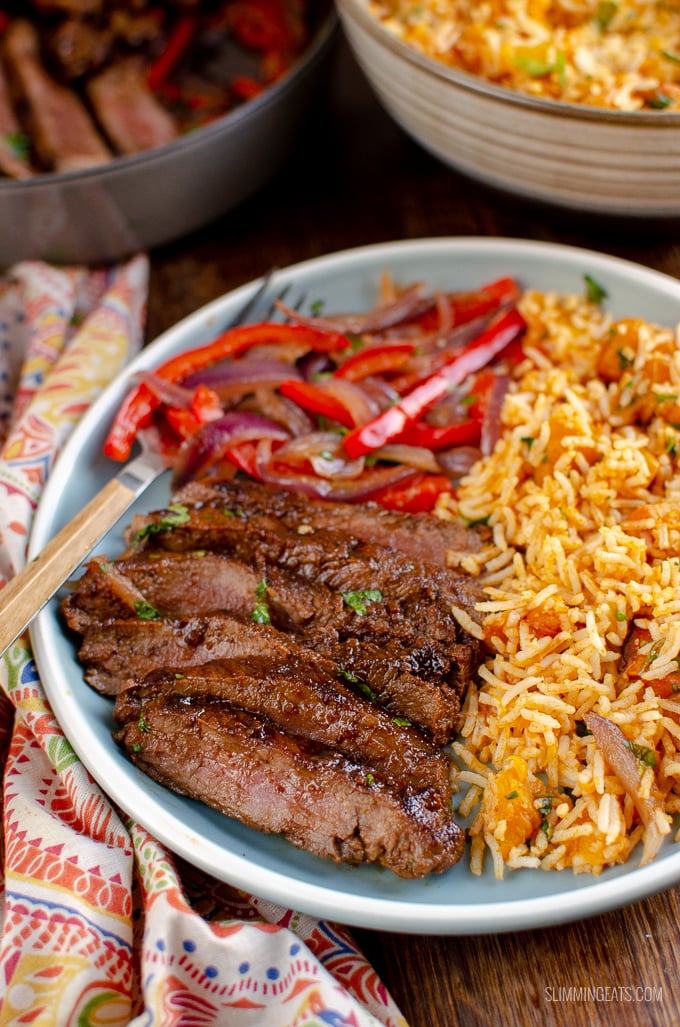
pixel 594 291
pixel 143 724
pixel 624 360
pixel 402 721
pixel 604 14
pixel 620 616
pixel 670 56
pixel 175 515
pixel 358 601
pixel 260 614
pixel 642 753
pixel 528 440
pixel 666 397
pixel 145 611
pixel 672 445
pixel 512 795
pixel 316 307
pixel 659 101
pixel 19 144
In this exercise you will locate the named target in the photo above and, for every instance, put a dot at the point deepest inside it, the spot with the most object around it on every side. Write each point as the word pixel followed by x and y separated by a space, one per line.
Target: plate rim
pixel 596 896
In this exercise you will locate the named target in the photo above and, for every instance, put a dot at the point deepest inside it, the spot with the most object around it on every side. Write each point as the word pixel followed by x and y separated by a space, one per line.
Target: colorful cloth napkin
pixel 100 924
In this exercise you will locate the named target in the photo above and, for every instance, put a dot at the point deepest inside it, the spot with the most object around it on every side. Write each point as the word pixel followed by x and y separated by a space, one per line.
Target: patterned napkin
pixel 100 924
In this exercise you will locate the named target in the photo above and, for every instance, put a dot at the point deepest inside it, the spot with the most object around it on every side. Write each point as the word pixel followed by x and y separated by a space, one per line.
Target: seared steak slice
pixel 242 765
pixel 63 133
pixel 12 161
pixel 299 695
pixel 115 606
pixel 127 110
pixel 340 561
pixel 184 585
pixel 422 536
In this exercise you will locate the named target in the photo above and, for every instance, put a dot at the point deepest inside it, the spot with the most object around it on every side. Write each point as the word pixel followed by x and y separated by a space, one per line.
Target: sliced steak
pixel 242 765
pixel 64 135
pixel 422 536
pixel 128 111
pixel 299 695
pixel 12 160
pixel 131 610
pixel 340 561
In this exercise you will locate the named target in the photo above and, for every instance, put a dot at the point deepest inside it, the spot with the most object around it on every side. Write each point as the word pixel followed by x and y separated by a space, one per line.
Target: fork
pixel 33 586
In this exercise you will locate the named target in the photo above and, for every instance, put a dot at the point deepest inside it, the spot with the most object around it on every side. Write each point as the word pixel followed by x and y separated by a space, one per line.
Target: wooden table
pixel 355 178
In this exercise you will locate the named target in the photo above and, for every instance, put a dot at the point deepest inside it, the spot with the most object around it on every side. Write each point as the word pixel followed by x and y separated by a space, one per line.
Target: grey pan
pixel 137 203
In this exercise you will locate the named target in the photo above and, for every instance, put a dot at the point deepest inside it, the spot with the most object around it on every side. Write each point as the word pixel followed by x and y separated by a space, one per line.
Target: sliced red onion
pixel 361 406
pixel 458 461
pixel 491 424
pixel 209 444
pixel 409 304
pixel 234 377
pixel 279 409
pixel 325 488
pixel 618 754
pixel 167 392
pixel 313 364
pixel 413 456
pixel 324 451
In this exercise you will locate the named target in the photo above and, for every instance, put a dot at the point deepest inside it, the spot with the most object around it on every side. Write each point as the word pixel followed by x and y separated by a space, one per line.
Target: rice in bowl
pixel 569 752
pixel 620 56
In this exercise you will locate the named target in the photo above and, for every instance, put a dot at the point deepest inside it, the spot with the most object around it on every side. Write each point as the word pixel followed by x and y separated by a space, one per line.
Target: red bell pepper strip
pixel 410 408
pixel 138 406
pixel 244 456
pixel 375 360
pixel 433 437
pixel 316 401
pixel 418 495
pixel 466 306
pixel 178 42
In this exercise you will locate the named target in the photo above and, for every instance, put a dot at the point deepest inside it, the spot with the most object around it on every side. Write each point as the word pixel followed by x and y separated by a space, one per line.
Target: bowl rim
pixel 357 11
pixel 245 112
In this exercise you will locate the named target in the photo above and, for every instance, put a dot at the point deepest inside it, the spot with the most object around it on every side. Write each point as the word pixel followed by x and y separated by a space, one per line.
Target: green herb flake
pixel 604 14
pixel 145 611
pixel 136 747
pixel 659 101
pixel 316 307
pixel 175 515
pixel 666 397
pixel 672 446
pixel 402 721
pixel 620 616
pixel 594 291
pixel 142 724
pixel 370 779
pixel 642 753
pixel 260 614
pixel 625 361
pixel 670 56
pixel 528 440
pixel 512 795
pixel 358 601
pixel 19 144
pixel 533 67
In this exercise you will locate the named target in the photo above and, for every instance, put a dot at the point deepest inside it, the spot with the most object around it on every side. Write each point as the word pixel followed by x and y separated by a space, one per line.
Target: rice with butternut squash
pixel 569 752
pixel 621 56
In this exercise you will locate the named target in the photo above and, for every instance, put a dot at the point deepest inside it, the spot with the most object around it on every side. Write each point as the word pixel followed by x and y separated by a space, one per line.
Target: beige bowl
pixel 585 158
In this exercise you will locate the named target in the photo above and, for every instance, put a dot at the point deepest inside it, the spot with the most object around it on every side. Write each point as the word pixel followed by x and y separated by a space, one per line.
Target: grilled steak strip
pixel 240 764
pixel 299 695
pixel 63 133
pixel 422 683
pixel 115 651
pixel 422 536
pixel 130 114
pixel 339 561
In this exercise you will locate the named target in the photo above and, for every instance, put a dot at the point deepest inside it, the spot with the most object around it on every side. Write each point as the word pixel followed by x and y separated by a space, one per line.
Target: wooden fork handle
pixel 28 591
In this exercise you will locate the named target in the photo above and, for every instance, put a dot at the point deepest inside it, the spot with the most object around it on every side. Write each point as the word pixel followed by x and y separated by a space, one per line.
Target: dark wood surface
pixel 355 178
